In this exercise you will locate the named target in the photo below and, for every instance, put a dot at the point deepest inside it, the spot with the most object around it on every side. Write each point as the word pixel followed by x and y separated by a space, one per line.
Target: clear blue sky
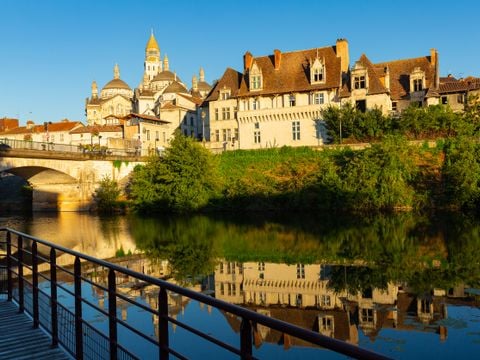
pixel 51 50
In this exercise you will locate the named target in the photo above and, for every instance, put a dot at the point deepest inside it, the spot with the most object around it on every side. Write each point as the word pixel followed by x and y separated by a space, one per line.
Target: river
pixel 404 285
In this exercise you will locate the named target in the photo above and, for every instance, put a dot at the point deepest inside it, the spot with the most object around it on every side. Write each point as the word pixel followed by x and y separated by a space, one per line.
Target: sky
pixel 52 50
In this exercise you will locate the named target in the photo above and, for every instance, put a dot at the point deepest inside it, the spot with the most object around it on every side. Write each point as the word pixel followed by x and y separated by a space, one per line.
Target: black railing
pixel 19 280
pixel 84 149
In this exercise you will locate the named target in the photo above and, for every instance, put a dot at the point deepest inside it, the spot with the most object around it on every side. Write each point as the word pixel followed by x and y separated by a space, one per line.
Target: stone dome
pixel 116 84
pixel 175 88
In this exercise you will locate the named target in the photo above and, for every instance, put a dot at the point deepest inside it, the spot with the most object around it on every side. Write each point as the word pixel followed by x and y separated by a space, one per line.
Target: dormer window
pixel 359 82
pixel 417 80
pixel 317 72
pixel 225 94
pixel 256 82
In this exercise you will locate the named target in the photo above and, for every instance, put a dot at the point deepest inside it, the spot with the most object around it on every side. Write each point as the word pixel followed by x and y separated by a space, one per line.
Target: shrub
pixel 106 195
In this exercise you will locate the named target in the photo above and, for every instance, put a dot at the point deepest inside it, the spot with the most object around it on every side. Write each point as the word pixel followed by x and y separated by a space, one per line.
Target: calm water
pixel 402 285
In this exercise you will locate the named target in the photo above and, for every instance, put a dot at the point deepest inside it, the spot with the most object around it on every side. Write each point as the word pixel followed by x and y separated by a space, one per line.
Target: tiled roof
pixel 293 75
pixel 53 127
pixel 400 71
pixel 175 88
pixel 145 117
pixel 231 80
pixel 195 99
pixel 97 128
pixel 375 86
pixel 452 85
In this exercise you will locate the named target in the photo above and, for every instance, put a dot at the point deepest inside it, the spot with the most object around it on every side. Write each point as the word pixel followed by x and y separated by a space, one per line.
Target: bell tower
pixel 153 63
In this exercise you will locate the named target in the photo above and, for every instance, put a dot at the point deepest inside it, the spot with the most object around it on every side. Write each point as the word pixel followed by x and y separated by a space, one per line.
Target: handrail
pixel 248 317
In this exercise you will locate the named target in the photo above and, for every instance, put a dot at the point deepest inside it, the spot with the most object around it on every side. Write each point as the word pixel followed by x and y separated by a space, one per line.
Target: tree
pixel 184 179
pixel 106 195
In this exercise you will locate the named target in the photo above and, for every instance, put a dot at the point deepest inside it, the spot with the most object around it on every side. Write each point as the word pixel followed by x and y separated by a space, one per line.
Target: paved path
pixel 19 340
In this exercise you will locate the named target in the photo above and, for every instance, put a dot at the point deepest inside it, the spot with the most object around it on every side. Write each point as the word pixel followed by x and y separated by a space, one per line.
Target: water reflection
pixel 365 280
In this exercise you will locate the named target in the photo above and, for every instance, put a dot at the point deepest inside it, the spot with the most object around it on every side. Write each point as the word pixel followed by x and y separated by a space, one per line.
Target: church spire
pixel 202 74
pixel 165 63
pixel 94 90
pixel 153 61
pixel 116 72
pixel 194 83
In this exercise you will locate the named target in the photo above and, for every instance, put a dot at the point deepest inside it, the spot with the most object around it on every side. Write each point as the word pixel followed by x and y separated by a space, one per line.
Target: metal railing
pixel 84 149
pixel 19 280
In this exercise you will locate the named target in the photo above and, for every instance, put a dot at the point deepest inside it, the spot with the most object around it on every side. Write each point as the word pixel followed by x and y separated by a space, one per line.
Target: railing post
pixel 36 320
pixel 77 269
pixel 163 324
pixel 9 267
pixel 21 304
pixel 246 339
pixel 53 296
pixel 112 313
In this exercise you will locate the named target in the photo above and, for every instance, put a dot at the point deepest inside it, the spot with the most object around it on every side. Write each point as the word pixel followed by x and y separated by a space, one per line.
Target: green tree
pixel 184 179
pixel 106 195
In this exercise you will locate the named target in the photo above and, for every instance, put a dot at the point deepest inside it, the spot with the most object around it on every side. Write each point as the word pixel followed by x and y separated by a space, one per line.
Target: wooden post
pixel 163 324
pixel 112 313
pixel 53 296
pixel 36 320
pixel 77 269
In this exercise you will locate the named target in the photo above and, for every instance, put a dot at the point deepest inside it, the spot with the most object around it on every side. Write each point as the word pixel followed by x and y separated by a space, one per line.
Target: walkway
pixel 19 340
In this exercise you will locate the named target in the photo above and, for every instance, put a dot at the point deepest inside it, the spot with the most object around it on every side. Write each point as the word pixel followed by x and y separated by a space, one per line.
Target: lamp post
pixel 203 115
pixel 156 148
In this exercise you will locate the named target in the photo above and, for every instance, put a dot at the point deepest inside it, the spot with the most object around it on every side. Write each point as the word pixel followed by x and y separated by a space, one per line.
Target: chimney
pixel 342 52
pixel 434 63
pixel 277 58
pixel 387 78
pixel 247 60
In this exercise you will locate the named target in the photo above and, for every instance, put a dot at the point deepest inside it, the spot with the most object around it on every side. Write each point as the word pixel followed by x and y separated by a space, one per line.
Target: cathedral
pixel 161 95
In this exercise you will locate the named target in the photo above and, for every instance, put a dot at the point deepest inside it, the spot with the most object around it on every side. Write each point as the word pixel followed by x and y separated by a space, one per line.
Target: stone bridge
pixel 65 181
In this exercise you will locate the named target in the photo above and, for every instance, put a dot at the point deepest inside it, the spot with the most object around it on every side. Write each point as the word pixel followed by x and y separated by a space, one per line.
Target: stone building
pixel 277 99
pixel 161 99
pixel 51 132
pixel 392 86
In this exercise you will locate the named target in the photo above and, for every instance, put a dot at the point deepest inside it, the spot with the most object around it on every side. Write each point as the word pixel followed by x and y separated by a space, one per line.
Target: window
pixel 216 114
pixel 224 133
pixel 298 300
pixel 366 315
pixel 326 323
pixel 417 85
pixel 236 134
pixel 359 82
pixel 256 82
pixel 226 113
pixel 225 94
pixel 229 134
pixel 325 300
pixel 256 137
pixel 296 130
pixel 261 266
pixel 222 289
pixel 217 135
pixel 221 268
pixel 191 121
pixel 318 98
pixel 461 98
pixel 291 100
pixel 394 106
pixel 300 271
pixel 444 100
pixel 255 104
pixel 257 125
pixel 52 138
pixel 318 74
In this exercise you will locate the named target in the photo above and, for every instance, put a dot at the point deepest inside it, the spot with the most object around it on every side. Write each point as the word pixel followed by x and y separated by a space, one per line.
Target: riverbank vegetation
pixel 391 173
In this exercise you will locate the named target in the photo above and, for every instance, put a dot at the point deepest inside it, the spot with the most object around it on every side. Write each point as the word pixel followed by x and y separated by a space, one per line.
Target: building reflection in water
pixel 301 294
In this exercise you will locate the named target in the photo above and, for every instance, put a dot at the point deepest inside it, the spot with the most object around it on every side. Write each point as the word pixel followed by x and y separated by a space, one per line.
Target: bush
pixel 106 195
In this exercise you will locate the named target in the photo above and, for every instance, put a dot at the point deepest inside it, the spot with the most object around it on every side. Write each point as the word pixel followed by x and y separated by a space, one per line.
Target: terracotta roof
pixel 294 72
pixel 400 71
pixel 116 84
pixel 97 128
pixel 195 99
pixel 452 85
pixel 231 79
pixel 53 127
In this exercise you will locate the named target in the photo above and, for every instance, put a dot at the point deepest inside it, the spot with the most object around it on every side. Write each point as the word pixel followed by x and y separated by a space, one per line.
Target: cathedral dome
pixel 175 88
pixel 166 75
pixel 116 84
